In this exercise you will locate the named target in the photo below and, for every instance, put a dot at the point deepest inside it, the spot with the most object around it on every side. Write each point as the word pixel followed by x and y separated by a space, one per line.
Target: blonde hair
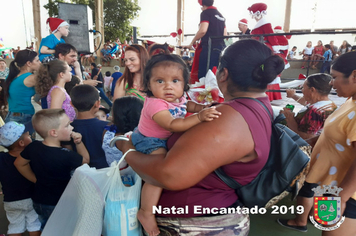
pixel 47 119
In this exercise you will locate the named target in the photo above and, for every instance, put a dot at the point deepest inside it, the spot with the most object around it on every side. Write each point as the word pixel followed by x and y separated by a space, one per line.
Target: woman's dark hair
pixel 126 113
pixel 321 82
pixel 47 76
pixel 21 58
pixel 346 63
pixel 164 60
pixel 127 76
pixel 250 64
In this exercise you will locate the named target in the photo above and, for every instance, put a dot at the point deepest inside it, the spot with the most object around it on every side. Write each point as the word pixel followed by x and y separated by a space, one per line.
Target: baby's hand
pixel 77 137
pixel 208 114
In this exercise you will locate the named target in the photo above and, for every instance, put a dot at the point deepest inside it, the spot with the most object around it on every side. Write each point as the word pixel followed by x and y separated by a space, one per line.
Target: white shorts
pixel 21 216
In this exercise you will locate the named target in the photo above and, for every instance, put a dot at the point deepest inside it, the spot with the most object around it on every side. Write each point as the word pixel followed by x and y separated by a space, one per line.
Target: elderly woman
pixel 238 141
pixel 333 160
pixel 19 86
pixel 309 121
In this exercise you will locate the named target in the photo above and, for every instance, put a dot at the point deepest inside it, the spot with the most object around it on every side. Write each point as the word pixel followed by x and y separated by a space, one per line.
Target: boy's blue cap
pixel 12 131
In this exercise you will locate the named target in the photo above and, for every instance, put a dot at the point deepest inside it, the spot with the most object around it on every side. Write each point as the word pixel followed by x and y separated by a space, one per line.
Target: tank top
pixel 20 96
pixel 68 108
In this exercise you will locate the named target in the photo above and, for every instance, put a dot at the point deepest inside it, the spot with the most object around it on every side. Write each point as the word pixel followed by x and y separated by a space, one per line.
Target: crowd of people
pixel 175 144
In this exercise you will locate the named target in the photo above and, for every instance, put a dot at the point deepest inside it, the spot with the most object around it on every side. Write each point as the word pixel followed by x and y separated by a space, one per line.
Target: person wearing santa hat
pixel 212 23
pixel 283 45
pixel 243 27
pixel 59 28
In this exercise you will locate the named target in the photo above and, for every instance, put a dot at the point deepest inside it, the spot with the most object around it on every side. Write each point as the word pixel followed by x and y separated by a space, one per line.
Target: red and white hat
pixel 243 21
pixel 55 23
pixel 278 29
pixel 257 10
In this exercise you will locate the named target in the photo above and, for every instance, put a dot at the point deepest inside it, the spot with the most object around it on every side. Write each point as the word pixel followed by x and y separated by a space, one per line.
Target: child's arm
pixel 194 107
pixel 57 98
pixel 46 50
pixel 166 121
pixel 77 70
pixel 23 166
pixel 81 149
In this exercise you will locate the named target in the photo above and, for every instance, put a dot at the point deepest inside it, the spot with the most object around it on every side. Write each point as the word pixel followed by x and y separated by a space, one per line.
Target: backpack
pixel 283 173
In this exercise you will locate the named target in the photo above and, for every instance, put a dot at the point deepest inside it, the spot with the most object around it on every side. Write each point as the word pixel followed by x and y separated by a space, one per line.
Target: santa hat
pixel 55 23
pixel 257 10
pixel 243 21
pixel 278 29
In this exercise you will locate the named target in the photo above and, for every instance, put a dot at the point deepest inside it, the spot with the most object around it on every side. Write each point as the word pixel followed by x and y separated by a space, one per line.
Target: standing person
pixel 186 172
pixel 47 163
pixel 333 160
pixel 212 23
pixel 97 75
pixel 130 83
pixel 20 86
pixel 166 79
pixel 327 58
pixel 243 27
pixel 51 80
pixel 107 83
pixel 116 75
pixel 59 29
pixel 17 189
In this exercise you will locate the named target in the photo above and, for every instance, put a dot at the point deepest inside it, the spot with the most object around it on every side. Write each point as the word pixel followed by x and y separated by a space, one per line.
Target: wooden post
pixel 99 23
pixel 180 22
pixel 286 27
pixel 36 8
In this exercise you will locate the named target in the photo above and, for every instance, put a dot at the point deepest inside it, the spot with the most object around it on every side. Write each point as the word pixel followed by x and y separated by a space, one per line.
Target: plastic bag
pixel 122 203
pixel 80 210
pixel 206 91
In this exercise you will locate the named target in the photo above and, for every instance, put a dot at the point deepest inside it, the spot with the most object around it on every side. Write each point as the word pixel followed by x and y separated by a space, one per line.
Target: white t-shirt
pixel 308 51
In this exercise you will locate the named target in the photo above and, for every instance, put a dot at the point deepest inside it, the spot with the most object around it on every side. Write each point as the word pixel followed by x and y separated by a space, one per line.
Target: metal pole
pixel 209 55
pixel 135 35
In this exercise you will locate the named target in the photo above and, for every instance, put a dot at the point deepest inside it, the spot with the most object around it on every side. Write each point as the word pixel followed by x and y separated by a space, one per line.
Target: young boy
pixel 85 99
pixel 292 53
pixel 328 57
pixel 47 164
pixel 59 28
pixel 16 188
pixel 102 113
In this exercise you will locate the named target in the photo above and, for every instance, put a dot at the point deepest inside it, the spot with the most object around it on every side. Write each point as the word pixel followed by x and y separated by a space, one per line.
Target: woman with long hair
pixel 20 86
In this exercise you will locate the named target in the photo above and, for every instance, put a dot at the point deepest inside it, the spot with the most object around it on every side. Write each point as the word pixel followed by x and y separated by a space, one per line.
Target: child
pixel 126 113
pixel 51 79
pixel 59 29
pixel 328 57
pixel 102 113
pixel 72 83
pixel 85 98
pixel 292 53
pixel 17 189
pixel 165 81
pixel 107 83
pixel 50 165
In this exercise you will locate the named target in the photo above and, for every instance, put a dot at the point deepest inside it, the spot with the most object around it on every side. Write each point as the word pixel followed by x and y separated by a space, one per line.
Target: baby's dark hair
pixel 72 83
pixel 126 113
pixel 84 97
pixel 108 73
pixel 321 82
pixel 164 60
pixel 250 64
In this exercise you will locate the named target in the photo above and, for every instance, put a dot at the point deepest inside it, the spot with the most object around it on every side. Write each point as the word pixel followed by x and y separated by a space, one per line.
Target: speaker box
pixel 80 19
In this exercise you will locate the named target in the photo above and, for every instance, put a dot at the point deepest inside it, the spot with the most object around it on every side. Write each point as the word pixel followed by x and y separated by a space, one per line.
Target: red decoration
pixel 180 31
pixel 174 34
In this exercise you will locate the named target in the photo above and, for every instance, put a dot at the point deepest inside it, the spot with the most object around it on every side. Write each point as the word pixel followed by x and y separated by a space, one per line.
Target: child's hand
pixel 77 137
pixel 208 114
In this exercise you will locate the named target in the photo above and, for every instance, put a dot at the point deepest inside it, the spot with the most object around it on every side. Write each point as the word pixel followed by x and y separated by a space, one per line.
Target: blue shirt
pixel 20 96
pixel 51 42
pixel 328 56
pixel 116 76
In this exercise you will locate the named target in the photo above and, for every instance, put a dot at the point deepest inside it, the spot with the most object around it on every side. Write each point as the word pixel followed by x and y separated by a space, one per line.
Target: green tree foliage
pixel 52 7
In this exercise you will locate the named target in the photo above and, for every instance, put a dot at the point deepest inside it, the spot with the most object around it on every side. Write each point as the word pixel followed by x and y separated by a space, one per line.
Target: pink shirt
pixel 148 127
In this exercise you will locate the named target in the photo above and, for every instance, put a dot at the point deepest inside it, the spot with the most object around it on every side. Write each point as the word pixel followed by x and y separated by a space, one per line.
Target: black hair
pixel 250 64
pixel 321 82
pixel 167 59
pixel 72 83
pixel 21 58
pixel 93 64
pixel 346 63
pixel 158 49
pixel 126 113
pixel 108 73
pixel 327 46
pixel 294 46
pixel 64 49
pixel 84 97
pixel 208 2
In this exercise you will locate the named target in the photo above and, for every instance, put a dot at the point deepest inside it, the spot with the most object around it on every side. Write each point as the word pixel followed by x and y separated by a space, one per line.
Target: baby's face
pixel 101 115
